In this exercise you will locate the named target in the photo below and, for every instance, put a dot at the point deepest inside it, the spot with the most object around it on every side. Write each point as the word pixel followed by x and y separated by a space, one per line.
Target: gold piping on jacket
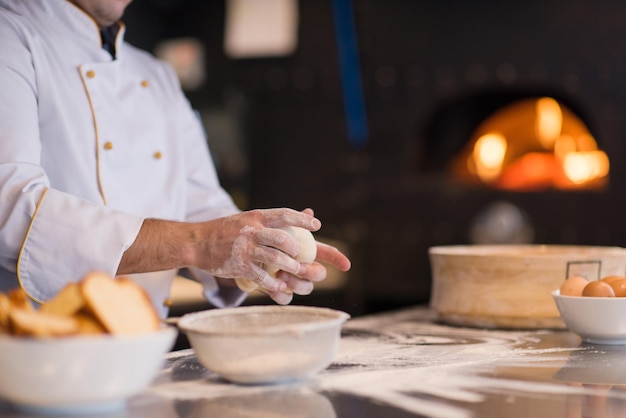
pixel 19 257
pixel 121 28
pixel 95 126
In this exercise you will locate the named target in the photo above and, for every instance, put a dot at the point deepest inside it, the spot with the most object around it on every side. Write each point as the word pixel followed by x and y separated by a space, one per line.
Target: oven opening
pixel 514 142
pixel 532 144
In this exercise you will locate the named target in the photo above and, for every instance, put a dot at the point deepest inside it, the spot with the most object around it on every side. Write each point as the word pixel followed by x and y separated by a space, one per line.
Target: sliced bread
pixel 120 305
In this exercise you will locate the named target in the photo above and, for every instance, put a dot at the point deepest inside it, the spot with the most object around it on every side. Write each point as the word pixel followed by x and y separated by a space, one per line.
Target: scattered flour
pixel 412 364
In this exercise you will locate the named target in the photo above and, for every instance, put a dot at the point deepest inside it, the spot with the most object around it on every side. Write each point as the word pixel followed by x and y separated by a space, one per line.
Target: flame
pixel 549 121
pixel 532 171
pixel 488 155
pixel 564 145
pixel 534 144
pixel 585 166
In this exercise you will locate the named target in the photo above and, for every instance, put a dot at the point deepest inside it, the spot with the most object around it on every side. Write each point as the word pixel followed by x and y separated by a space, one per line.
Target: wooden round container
pixel 509 286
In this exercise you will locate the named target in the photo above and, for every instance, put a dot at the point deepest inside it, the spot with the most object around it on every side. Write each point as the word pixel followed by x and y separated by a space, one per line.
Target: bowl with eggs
pixel 594 309
pixel 510 286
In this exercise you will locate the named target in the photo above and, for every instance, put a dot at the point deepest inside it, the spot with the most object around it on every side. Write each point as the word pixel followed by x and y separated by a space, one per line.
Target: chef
pixel 104 166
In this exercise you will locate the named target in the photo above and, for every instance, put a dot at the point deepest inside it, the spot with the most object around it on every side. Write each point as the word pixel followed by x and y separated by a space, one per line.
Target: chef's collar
pixel 109 36
pixel 79 22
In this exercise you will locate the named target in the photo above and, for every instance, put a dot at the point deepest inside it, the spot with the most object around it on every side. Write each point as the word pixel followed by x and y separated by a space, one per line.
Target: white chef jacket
pixel 90 146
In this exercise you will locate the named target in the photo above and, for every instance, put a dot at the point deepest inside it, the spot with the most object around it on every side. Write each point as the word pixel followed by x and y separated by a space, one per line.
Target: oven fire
pixel 532 145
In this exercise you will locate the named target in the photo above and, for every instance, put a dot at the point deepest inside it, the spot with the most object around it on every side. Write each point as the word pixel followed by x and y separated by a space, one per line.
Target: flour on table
pixel 410 363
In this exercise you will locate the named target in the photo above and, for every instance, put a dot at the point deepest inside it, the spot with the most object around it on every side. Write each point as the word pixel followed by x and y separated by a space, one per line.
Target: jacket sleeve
pixel 68 237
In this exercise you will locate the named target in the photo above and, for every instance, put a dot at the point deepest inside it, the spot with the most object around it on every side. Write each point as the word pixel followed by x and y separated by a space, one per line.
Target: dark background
pixel 432 71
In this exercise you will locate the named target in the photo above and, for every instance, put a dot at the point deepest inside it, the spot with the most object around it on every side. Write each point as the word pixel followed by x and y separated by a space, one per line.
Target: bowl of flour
pixel 264 344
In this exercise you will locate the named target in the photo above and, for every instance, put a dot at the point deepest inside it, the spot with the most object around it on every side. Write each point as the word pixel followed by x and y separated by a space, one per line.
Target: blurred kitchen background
pixel 407 124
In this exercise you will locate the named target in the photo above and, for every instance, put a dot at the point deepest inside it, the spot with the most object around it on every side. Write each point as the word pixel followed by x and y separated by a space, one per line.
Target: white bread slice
pixel 5 308
pixel 19 300
pixel 14 299
pixel 67 302
pixel 33 323
pixel 121 305
pixel 19 317
pixel 87 324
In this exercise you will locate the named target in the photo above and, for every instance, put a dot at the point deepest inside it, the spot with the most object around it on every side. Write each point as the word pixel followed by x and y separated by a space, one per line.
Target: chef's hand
pixel 303 284
pixel 315 272
pixel 228 247
pixel 238 246
pixel 234 246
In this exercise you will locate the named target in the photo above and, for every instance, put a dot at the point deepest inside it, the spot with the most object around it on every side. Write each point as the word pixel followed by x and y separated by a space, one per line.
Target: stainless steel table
pixel 404 364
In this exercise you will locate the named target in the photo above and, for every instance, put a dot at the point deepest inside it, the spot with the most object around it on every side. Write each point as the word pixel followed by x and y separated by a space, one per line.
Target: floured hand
pixel 228 247
pixel 314 272
pixel 240 245
pixel 236 246
pixel 307 251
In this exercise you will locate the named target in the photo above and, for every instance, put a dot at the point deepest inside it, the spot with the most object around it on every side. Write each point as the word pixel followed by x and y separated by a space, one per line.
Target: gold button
pixel 168 302
pixel 158 155
pixel 145 83
pixel 108 145
pixel 91 74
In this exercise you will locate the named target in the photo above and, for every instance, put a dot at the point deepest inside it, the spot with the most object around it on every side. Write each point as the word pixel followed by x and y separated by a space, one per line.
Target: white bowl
pixel 508 286
pixel 79 375
pixel 596 320
pixel 264 344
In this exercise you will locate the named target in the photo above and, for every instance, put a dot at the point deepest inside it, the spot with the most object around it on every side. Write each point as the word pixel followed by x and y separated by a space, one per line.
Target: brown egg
pixel 619 287
pixel 599 288
pixel 610 279
pixel 574 286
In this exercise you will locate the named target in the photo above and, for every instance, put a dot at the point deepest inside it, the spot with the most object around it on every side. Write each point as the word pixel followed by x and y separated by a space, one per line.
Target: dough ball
pixel 308 247
pixel 246 285
pixel 307 250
